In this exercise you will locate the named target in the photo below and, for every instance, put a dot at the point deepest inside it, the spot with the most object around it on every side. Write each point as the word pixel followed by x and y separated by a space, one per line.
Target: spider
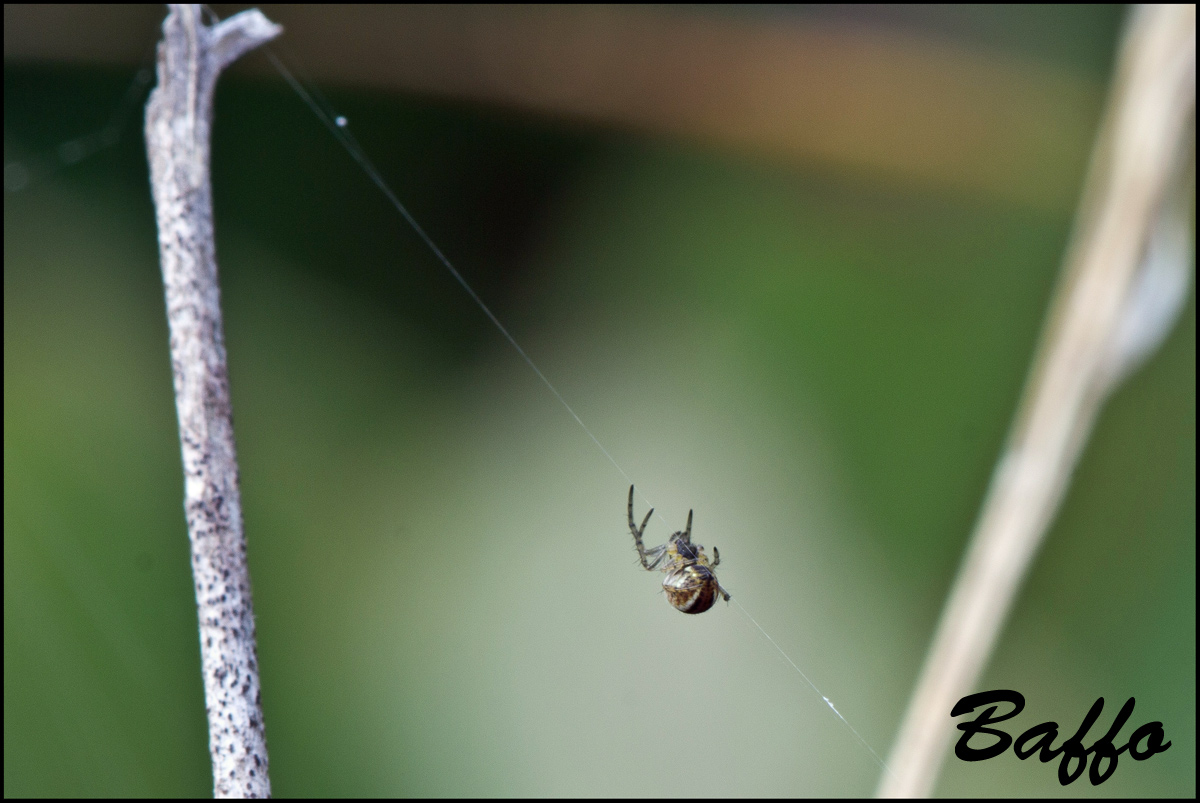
pixel 690 583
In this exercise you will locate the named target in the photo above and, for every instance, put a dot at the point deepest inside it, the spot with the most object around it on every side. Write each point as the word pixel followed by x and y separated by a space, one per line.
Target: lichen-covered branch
pixel 178 124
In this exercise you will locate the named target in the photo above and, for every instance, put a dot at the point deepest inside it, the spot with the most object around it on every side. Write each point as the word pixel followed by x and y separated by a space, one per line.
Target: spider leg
pixel 656 553
pixel 637 531
pixel 687 531
pixel 716 558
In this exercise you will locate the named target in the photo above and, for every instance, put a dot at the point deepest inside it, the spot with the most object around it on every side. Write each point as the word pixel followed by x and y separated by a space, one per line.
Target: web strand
pixel 338 126
pixel 813 686
pixel 22 172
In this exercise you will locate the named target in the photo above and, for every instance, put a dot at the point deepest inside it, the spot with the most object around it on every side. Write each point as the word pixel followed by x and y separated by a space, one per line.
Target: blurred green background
pixel 822 362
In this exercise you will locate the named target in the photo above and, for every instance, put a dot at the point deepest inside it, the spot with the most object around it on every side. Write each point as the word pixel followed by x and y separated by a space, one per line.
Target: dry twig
pixel 178 123
pixel 1125 275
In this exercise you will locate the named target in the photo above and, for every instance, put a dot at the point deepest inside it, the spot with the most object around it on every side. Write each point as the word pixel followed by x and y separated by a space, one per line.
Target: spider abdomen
pixel 691 589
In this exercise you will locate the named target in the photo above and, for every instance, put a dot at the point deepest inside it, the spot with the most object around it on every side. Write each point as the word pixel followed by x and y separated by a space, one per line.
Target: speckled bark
pixel 178 121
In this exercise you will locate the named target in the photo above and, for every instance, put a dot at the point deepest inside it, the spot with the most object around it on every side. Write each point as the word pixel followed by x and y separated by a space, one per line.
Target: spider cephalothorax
pixel 690 583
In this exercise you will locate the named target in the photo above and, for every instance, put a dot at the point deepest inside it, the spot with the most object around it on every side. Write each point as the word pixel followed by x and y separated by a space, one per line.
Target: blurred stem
pixel 178 125
pixel 1140 153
